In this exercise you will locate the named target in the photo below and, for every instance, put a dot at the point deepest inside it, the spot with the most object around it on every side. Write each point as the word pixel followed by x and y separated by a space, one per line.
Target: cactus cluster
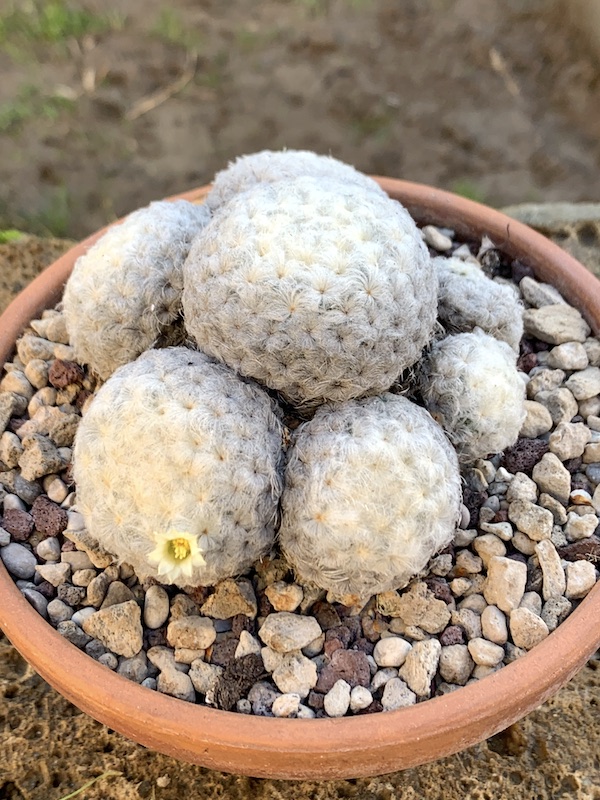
pixel 299 282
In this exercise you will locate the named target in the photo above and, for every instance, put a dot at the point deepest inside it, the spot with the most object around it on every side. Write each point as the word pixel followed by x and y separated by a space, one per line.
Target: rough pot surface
pixel 322 748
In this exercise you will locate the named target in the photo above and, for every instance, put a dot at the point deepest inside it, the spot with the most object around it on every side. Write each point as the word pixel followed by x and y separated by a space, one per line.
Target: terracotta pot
pixel 321 748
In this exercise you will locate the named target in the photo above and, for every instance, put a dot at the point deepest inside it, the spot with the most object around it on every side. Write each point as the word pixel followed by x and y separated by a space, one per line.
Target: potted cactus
pixel 307 389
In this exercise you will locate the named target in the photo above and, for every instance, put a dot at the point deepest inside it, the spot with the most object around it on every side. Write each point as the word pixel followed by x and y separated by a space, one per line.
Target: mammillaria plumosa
pixel 269 166
pixel 124 295
pixel 178 468
pixel 471 386
pixel 372 492
pixel 319 289
pixel 467 299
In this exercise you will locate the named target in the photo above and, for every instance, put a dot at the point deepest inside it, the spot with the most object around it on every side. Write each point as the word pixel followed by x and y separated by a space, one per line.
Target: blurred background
pixel 108 104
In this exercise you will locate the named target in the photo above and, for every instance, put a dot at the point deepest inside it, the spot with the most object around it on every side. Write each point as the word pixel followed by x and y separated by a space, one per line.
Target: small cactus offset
pixel 124 295
pixel 178 468
pixel 468 299
pixel 471 386
pixel 269 166
pixel 319 289
pixel 372 492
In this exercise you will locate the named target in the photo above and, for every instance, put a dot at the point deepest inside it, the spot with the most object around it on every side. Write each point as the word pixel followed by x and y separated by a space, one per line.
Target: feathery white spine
pixel 467 299
pixel 372 492
pixel 316 288
pixel 269 166
pixel 176 444
pixel 125 292
pixel 471 386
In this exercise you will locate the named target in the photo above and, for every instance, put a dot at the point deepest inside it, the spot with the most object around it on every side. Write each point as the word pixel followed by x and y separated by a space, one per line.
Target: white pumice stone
pixel 177 465
pixel 360 698
pixel 319 289
pixel 269 166
pixel 124 295
pixel 467 299
pixel 471 386
pixel 372 492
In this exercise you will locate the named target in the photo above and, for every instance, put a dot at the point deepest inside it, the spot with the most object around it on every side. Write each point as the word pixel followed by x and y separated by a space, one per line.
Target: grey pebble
pixel 37 600
pixel 49 549
pixel 18 560
pixel 109 660
pixel 149 683
pixel 58 611
pixel 73 633
pixel 156 607
pixel 95 649
pixel 80 616
pixel 397 694
pixel 134 669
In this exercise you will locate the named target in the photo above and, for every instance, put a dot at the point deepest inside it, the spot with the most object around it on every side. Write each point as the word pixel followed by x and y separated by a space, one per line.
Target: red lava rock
pixel 501 515
pixel 156 638
pixel 82 396
pixel 48 517
pixel 197 593
pixel 353 624
pixel 326 615
pixel 223 653
pixel 453 634
pixel 349 665
pixel 68 546
pixel 364 645
pixel 18 523
pixel 527 362
pixel 524 455
pixel 46 589
pixel 238 677
pixel 315 700
pixel 440 588
pixel 264 605
pixel 62 373
pixel 15 423
pixel 372 709
pixel 583 550
pixel 331 646
pixel 241 623
pixel 573 464
pixel 518 271
pixel 373 626
pixel 473 501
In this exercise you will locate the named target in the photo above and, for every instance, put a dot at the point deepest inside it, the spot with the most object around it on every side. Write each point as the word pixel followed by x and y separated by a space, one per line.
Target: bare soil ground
pixel 131 100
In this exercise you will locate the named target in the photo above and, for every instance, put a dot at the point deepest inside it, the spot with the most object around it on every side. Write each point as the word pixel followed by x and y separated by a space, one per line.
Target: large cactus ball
pixel 269 166
pixel 372 492
pixel 177 463
pixel 124 295
pixel 319 289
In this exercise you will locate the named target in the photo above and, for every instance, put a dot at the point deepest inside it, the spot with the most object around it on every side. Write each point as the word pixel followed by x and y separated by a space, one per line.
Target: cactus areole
pixel 299 285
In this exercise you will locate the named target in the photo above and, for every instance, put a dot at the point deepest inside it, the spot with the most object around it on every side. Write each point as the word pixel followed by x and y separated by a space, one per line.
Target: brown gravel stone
pixel 453 634
pixel 237 679
pixel 18 523
pixel 524 455
pixel 49 518
pixel 326 615
pixel 71 595
pixel 62 373
pixel 349 665
pixel 473 501
pixel 46 589
pixel 527 362
pixel 583 550
pixel 223 653
pixel 375 707
pixel 157 638
pixel 440 588
pixel 315 700
pixel 241 623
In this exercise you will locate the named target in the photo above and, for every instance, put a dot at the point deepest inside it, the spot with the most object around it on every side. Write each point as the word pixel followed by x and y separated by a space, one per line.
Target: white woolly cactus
pixel 178 468
pixel 124 294
pixel 467 299
pixel 269 166
pixel 372 491
pixel 319 289
pixel 471 386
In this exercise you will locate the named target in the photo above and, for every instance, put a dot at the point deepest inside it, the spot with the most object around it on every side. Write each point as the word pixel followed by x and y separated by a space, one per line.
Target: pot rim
pixel 358 746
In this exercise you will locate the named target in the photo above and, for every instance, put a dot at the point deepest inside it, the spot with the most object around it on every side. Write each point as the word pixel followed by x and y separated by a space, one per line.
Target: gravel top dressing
pixel 522 558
